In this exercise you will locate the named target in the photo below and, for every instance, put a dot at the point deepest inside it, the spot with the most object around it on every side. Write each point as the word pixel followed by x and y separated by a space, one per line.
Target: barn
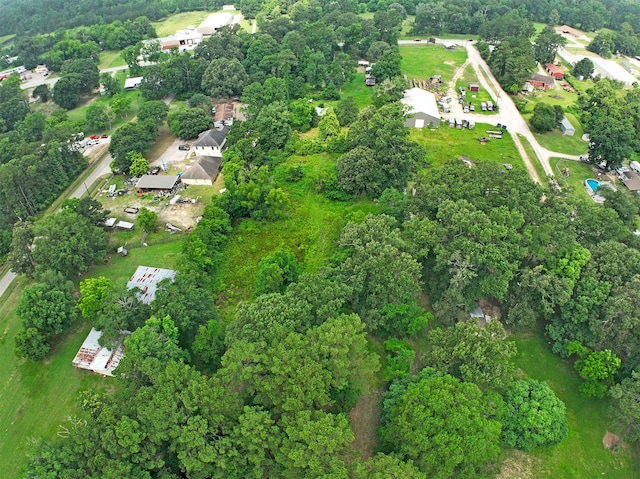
pixel 157 183
pixel 541 81
pixel 554 71
pixel 422 109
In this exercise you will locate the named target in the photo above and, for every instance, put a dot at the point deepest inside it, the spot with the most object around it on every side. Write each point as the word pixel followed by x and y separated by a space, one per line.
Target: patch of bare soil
pixel 182 215
pixel 519 465
pixel 365 419
pixel 611 441
pixel 450 63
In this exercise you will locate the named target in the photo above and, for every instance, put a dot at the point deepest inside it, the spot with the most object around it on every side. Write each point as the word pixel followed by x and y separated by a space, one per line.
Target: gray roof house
pixel 211 142
pixel 203 171
pixel 422 109
pixel 566 127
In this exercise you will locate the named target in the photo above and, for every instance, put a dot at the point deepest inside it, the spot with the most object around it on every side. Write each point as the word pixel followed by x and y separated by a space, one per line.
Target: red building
pixel 554 71
pixel 541 81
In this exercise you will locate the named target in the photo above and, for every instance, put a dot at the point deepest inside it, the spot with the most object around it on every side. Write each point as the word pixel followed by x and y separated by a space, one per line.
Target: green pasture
pixel 6 38
pixel 422 61
pixel 111 59
pixel 582 453
pixel 445 143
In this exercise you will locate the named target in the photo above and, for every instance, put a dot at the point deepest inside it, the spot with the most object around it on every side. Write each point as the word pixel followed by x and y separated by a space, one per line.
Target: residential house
pixel 211 142
pixel 203 171
pixel 224 115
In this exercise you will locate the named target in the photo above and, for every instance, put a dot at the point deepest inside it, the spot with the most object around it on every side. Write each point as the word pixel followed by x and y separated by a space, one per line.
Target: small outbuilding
pixel 99 359
pixel 422 109
pixel 211 142
pixel 474 87
pixel 203 171
pixel 131 84
pixel 630 179
pixel 566 127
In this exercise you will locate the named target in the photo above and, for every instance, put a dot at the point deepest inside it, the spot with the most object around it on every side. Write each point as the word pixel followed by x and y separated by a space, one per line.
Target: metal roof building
pixel 146 279
pixel 422 107
pixel 96 358
pixel 157 182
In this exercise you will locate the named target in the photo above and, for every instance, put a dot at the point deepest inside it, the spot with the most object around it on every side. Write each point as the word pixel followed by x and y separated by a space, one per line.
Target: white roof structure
pixel 157 182
pixel 421 101
pixel 96 358
pixel 132 83
pixel 610 69
pixel 215 21
pixel 147 279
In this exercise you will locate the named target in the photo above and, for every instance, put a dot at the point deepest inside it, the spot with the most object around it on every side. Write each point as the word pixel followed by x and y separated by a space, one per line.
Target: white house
pixel 183 40
pixel 211 142
pixel 422 109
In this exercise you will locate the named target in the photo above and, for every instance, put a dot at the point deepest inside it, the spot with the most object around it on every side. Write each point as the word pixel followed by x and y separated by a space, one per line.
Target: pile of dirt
pixel 611 441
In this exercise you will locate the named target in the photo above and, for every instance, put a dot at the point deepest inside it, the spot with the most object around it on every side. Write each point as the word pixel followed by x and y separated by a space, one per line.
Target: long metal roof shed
pixel 146 279
pixel 157 182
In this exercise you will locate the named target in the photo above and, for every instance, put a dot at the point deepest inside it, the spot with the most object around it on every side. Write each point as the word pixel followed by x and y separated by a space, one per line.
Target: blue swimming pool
pixel 592 184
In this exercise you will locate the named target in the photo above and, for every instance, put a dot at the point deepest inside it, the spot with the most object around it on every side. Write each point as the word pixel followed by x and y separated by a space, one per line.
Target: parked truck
pixel 490 106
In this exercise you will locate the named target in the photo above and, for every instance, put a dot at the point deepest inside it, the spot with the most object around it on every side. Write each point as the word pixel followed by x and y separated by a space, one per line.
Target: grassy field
pixel 578 172
pixel 356 89
pixel 445 143
pixel 569 145
pixel 38 397
pixel 423 61
pixel 582 454
pixel 110 59
pixel 7 38
pixel 179 21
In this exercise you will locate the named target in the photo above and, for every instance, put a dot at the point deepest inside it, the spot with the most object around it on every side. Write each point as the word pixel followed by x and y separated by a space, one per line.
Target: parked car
pixel 417 40
pixel 471 107
pixel 184 147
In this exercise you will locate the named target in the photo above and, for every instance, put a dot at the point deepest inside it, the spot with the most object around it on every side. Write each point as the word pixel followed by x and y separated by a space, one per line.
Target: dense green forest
pixel 31 17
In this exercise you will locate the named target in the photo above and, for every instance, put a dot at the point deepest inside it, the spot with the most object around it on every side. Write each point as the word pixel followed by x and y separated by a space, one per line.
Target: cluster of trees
pixel 514 58
pixel 77 77
pixel 31 175
pixel 625 41
pixel 30 17
pixel 546 117
pixel 612 119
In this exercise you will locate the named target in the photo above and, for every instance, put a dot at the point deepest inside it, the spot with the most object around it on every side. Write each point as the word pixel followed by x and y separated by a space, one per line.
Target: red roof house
pixel 554 71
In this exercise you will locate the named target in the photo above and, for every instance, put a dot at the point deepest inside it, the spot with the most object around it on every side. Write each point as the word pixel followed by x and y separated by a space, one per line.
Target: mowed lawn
pixel 581 455
pixel 578 173
pixel 179 21
pixel 422 61
pixel 445 143
pixel 38 397
pixel 357 90
pixel 110 59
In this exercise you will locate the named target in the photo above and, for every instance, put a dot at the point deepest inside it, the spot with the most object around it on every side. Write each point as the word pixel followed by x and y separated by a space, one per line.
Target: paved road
pixel 101 169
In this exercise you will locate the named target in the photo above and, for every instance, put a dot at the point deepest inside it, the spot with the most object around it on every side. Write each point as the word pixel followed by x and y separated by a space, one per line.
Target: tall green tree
pixel 224 78
pixel 533 416
pixel 546 45
pixel 446 427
